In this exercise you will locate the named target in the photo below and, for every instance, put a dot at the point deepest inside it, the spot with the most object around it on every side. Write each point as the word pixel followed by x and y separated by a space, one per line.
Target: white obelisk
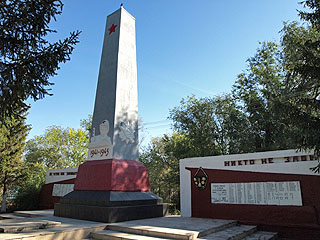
pixel 116 103
pixel 114 187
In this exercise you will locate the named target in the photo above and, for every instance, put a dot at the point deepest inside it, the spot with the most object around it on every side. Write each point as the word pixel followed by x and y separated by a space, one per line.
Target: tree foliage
pixel 214 126
pixel 27 59
pixel 274 104
pixel 86 124
pixel 301 97
pixel 161 159
pixel 257 92
pixel 27 195
pixel 194 119
pixel 233 126
pixel 313 16
pixel 58 148
pixel 12 145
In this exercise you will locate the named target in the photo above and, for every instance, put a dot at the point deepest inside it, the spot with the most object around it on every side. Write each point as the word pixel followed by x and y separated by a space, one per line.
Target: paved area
pixel 171 227
pixel 175 227
pixel 175 223
pixel 68 229
pixel 235 232
pixel 21 225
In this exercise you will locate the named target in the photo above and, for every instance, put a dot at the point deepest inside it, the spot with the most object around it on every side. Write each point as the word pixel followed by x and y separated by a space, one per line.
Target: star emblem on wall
pixel 112 29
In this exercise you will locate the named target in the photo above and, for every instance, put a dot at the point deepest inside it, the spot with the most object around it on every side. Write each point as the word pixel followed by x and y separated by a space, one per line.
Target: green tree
pixel 214 126
pixel 313 16
pixel 12 144
pixel 275 104
pixel 258 91
pixel 58 148
pixel 86 124
pixel 301 97
pixel 161 159
pixel 194 118
pixel 27 59
pixel 233 126
pixel 27 194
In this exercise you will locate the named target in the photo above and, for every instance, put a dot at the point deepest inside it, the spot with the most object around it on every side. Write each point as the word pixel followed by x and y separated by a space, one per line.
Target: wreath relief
pixel 200 179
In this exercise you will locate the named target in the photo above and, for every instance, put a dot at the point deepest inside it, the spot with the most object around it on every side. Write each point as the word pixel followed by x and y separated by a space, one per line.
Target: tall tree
pixel 56 148
pixel 12 144
pixel 214 126
pixel 258 90
pixel 301 97
pixel 235 133
pixel 27 59
pixel 194 118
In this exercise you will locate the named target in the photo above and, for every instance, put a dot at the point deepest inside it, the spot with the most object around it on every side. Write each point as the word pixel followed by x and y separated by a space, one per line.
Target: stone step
pixel 260 235
pixel 26 225
pixel 114 235
pixel 27 214
pixel 157 232
pixel 234 233
pixel 161 228
pixel 4 219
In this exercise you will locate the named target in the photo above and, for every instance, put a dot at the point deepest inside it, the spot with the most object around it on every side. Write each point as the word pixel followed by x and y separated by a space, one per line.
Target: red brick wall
pixel 306 216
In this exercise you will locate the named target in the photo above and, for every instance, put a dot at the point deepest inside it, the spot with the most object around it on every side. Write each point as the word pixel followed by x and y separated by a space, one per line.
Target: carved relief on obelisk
pixel 100 146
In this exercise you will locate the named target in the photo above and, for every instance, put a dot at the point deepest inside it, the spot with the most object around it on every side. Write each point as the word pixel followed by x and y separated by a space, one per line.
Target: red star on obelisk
pixel 112 29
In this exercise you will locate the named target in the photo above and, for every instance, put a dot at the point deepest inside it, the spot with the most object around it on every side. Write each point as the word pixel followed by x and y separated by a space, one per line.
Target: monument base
pixel 110 206
pixel 111 190
pixel 113 175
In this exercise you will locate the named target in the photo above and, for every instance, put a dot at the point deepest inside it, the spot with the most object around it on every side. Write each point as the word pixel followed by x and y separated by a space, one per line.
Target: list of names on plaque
pixel 258 193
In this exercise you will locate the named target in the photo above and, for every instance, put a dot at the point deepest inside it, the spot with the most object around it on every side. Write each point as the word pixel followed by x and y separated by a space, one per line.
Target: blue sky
pixel 184 47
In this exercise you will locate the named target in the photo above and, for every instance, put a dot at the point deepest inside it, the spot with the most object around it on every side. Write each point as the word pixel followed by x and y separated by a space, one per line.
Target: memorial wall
pixel 275 190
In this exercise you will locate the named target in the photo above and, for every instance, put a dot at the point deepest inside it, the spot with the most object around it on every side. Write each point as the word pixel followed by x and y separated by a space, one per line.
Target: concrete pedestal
pixel 112 175
pixel 111 190
pixel 110 206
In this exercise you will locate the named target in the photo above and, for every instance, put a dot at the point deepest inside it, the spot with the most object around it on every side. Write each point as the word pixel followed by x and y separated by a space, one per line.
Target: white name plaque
pixel 258 193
